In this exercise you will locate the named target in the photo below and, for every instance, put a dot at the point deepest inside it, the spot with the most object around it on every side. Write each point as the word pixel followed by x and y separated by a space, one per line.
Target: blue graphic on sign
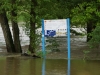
pixel 50 33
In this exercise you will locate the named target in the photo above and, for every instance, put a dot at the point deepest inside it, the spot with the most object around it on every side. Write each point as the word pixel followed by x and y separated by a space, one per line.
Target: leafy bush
pixel 94 43
pixel 95 40
pixel 53 45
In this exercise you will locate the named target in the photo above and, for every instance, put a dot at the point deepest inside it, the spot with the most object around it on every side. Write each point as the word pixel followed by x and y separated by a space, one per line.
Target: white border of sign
pixel 68 35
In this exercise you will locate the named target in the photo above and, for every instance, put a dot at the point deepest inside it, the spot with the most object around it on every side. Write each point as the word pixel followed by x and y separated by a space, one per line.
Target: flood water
pixel 30 66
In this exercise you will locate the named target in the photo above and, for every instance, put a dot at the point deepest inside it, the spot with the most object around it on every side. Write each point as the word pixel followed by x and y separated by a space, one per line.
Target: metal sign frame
pixel 68 37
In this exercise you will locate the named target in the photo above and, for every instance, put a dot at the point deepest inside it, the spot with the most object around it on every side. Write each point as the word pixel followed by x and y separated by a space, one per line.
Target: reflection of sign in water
pixel 68 71
pixel 43 66
pixel 50 33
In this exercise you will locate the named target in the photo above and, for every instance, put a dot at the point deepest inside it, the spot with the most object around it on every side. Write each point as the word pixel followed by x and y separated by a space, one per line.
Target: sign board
pixel 55 27
pixel 60 27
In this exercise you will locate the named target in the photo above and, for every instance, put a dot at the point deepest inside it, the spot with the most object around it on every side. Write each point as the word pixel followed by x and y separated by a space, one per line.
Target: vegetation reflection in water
pixel 30 66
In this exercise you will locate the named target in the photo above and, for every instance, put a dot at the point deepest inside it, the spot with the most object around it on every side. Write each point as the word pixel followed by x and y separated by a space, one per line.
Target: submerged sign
pixel 55 27
pixel 51 28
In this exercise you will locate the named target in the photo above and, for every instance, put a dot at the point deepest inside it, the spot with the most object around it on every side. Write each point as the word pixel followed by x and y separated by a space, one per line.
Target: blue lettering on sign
pixel 50 33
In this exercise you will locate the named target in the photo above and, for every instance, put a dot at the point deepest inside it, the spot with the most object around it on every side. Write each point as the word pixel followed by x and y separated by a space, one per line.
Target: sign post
pixel 43 39
pixel 68 38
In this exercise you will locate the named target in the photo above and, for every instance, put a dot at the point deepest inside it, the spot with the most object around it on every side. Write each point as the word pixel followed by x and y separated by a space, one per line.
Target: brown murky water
pixel 30 66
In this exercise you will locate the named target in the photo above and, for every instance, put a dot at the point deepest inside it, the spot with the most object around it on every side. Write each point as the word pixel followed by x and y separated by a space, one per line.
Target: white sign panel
pixel 57 26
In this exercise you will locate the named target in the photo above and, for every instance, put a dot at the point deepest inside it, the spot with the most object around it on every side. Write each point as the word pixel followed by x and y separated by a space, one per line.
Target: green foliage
pixel 39 53
pixel 98 0
pixel 36 41
pixel 95 41
pixel 28 52
pixel 84 12
pixel 85 53
pixel 53 45
pixel 4 5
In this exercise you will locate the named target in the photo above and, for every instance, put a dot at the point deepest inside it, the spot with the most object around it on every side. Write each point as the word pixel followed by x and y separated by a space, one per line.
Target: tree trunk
pixel 32 38
pixel 6 31
pixel 90 27
pixel 16 37
pixel 32 26
pixel 15 29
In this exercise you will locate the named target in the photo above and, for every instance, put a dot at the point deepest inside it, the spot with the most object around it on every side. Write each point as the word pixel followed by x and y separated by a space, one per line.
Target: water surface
pixel 30 66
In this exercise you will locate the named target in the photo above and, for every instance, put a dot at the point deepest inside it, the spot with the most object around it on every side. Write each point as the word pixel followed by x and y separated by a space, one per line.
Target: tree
pixel 38 10
pixel 85 13
pixel 32 26
pixel 6 31
pixel 8 8
pixel 15 27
